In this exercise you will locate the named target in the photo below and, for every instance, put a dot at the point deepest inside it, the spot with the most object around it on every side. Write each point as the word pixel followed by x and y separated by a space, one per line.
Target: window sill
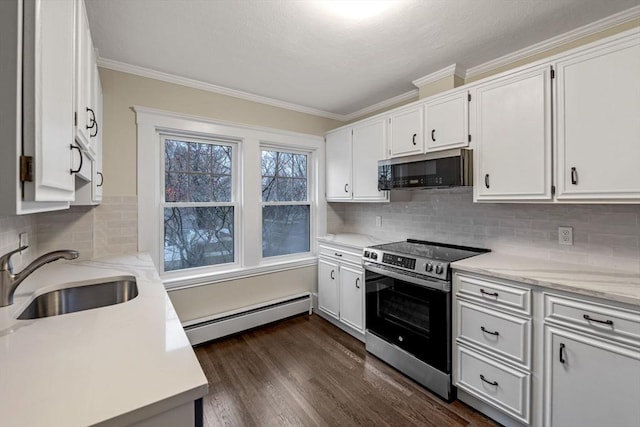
pixel 194 280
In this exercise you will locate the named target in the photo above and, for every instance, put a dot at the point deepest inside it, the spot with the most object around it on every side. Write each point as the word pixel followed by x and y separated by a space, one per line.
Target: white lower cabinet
pixel 492 354
pixel 590 381
pixel 341 288
pixel 525 356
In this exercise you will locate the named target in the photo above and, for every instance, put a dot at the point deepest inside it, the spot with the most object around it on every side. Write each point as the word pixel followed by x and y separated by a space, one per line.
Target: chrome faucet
pixel 9 280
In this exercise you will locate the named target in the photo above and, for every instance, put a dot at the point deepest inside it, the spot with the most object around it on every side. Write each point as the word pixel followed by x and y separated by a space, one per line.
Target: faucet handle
pixel 5 260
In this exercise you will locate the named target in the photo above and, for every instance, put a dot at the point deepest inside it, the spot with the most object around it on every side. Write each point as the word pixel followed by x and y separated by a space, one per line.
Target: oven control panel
pixel 399 261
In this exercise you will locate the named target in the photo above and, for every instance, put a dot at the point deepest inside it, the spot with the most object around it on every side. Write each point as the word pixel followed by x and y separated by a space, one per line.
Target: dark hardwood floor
pixel 304 371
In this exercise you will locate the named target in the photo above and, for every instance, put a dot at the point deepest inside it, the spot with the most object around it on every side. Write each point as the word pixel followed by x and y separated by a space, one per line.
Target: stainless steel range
pixel 408 308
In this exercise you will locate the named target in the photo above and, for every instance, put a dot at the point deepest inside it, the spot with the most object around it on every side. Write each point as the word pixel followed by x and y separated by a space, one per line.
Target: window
pixel 198 208
pixel 285 203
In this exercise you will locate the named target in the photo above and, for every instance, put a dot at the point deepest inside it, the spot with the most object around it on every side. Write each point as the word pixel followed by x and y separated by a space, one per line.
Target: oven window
pixel 405 310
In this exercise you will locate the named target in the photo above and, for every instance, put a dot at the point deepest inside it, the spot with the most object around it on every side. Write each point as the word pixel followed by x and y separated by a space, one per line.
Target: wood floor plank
pixel 304 371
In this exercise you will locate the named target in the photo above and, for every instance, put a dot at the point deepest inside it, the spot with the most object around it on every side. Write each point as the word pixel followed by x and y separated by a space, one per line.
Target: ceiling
pixel 304 53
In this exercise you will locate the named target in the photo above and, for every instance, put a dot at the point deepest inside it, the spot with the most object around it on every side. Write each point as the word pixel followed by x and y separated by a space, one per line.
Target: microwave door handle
pixel 438 285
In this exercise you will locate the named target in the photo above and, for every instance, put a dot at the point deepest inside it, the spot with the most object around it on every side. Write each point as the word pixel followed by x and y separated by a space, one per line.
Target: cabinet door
pixel 352 297
pixel 368 147
pixel 589 382
pixel 85 62
pixel 513 120
pixel 405 132
pixel 447 122
pixel 598 123
pixel 338 165
pixel 48 98
pixel 328 296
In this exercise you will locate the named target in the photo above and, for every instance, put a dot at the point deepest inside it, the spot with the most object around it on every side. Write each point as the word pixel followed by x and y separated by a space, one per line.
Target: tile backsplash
pixel 104 230
pixel 603 235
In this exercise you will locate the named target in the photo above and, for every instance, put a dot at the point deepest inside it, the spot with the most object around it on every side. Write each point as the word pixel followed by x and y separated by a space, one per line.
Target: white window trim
pixel 151 123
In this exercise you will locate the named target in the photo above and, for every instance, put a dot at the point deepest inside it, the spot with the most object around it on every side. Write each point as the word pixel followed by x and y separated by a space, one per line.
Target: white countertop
pixel 581 279
pixel 353 240
pixel 119 364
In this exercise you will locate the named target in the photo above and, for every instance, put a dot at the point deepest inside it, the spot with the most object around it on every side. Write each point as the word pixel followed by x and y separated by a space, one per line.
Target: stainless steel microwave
pixel 451 168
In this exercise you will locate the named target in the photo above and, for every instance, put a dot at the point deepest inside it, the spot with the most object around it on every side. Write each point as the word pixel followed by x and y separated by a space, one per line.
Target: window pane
pixel 285 230
pixel 284 177
pixel 196 237
pixel 197 172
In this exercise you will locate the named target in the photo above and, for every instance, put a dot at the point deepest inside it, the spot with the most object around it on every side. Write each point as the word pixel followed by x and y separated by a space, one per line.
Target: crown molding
pixel 196 84
pixel 568 37
pixel 451 70
pixel 407 96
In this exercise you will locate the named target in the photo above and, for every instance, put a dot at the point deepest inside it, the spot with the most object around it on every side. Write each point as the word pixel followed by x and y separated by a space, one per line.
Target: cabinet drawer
pixel 494 293
pixel 505 335
pixel 494 383
pixel 341 254
pixel 593 318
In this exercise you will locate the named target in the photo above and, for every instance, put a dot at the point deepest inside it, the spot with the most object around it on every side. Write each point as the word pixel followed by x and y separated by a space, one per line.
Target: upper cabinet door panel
pixel 48 98
pixel 447 122
pixel 338 165
pixel 368 147
pixel 513 120
pixel 598 122
pixel 406 132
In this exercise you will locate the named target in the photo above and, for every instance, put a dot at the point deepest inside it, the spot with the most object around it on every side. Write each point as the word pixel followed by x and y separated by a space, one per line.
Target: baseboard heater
pixel 207 329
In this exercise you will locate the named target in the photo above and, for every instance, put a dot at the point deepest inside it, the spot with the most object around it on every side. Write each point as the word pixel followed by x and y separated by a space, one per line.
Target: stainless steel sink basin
pixel 101 293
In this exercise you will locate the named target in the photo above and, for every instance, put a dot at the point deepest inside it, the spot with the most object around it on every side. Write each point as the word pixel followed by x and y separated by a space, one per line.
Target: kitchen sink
pixel 115 290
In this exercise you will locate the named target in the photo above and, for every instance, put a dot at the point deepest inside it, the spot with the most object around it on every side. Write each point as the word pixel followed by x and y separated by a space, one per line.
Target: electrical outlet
pixel 23 240
pixel 565 235
pixel 378 221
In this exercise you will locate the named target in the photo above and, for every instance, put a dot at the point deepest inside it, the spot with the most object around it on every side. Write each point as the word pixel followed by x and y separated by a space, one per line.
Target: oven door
pixel 414 317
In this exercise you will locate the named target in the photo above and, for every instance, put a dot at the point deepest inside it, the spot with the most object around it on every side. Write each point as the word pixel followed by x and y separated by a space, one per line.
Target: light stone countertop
pixel 352 240
pixel 611 285
pixel 114 365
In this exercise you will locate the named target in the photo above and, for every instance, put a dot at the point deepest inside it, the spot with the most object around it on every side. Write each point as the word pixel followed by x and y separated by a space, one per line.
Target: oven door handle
pixel 439 285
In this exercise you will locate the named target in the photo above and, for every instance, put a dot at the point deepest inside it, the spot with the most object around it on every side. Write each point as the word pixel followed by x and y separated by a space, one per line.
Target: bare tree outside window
pixel 198 209
pixel 286 207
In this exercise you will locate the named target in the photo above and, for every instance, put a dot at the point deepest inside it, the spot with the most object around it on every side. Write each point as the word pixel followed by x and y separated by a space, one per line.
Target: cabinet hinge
pixel 469 97
pixel 75 118
pixel 26 169
pixel 553 190
pixel 553 73
pixel 469 138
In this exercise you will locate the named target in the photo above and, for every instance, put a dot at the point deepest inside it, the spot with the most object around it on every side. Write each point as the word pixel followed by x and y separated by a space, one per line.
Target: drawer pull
pixel 493 383
pixel 486 331
pixel 591 319
pixel 337 254
pixel 491 294
pixel 561 355
pixel 333 274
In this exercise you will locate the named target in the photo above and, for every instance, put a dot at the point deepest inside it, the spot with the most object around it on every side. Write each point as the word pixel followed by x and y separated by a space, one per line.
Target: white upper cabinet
pixel 513 136
pixel 87 126
pixel 338 165
pixel 447 121
pixel 47 110
pixel 598 122
pixel 368 147
pixel 406 131
pixel 352 155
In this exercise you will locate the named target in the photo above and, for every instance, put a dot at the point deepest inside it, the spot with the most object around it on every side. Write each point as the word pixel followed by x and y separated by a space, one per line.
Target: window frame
pixel 189 138
pixel 311 197
pixel 150 123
